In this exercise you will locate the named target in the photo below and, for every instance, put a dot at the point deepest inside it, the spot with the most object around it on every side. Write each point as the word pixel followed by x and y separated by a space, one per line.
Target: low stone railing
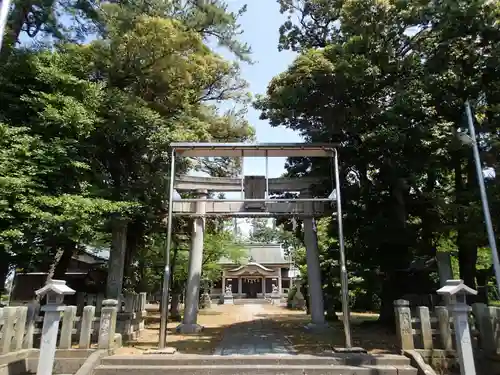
pixel 21 328
pixel 432 333
pixel 131 311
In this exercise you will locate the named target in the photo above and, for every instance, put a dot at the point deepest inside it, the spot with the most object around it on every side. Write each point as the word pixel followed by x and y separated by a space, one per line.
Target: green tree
pixel 49 207
pixel 388 80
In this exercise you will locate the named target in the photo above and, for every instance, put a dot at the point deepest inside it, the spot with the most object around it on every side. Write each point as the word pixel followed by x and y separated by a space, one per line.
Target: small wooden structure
pixel 86 274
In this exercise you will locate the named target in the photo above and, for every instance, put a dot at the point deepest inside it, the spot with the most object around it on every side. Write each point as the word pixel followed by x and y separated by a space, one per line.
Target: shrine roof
pixel 262 254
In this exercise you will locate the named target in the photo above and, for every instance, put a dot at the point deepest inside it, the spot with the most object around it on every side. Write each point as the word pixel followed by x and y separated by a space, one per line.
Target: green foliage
pixel 388 79
pixel 216 246
pixel 85 128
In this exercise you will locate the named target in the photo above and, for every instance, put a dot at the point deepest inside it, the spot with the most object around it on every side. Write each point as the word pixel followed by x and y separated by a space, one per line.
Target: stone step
pixel 254 370
pixel 336 359
pixel 251 301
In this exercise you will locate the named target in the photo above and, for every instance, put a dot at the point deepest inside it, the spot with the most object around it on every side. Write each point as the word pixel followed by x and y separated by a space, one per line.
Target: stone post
pixel 316 304
pixel 403 324
pixel 66 335
pixel 107 324
pixel 8 328
pixel 456 292
pixel 33 310
pixel 240 286
pixel 87 323
pixel 55 291
pixel 223 283
pixel 445 272
pixel 444 267
pixel 189 323
pixel 485 322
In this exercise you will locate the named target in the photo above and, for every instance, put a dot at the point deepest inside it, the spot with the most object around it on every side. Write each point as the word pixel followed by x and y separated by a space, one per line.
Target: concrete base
pixel 189 328
pixel 228 300
pixel 316 327
pixel 350 350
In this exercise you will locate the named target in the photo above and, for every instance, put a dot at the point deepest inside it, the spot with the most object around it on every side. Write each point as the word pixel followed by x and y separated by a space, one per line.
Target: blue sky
pixel 260 25
pixel 261 32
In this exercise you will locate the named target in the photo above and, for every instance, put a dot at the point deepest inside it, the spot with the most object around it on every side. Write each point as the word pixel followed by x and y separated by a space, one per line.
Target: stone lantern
pixel 456 292
pixel 54 292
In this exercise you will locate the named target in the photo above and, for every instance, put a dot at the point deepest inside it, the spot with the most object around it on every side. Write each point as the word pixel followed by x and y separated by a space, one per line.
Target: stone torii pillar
pixel 316 304
pixel 190 319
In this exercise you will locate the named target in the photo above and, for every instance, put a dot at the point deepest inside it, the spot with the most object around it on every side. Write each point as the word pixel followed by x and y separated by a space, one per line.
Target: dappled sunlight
pixel 272 320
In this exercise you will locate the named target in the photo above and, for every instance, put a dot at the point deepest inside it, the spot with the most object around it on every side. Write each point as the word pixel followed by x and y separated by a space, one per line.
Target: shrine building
pixel 265 265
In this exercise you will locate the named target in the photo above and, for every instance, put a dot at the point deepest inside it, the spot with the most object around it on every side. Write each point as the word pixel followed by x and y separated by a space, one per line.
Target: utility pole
pixel 484 196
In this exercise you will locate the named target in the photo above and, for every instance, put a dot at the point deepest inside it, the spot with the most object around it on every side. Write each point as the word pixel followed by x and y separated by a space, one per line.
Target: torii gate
pixel 255 202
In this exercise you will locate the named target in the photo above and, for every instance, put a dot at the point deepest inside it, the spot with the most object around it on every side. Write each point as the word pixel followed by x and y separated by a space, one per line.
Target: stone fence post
pixel 86 326
pixel 107 326
pixel 404 328
pixel 32 314
pixel 487 318
pixel 12 338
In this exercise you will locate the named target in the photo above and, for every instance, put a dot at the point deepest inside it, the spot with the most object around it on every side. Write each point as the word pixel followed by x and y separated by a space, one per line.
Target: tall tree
pixel 388 79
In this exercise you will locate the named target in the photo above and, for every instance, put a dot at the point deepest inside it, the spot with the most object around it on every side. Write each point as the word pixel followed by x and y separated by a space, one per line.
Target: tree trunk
pixel 5 263
pixel 62 265
pixel 175 314
pixel 116 262
pixel 175 287
pixel 135 241
pixel 52 269
pixel 396 279
pixel 467 249
pixel 482 277
pixel 429 218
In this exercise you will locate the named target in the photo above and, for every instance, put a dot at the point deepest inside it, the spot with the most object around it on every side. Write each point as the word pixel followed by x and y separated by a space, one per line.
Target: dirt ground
pixel 369 336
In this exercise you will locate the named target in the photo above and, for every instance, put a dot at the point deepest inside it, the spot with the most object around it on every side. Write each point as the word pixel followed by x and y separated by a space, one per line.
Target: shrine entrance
pixel 251 286
pixel 299 198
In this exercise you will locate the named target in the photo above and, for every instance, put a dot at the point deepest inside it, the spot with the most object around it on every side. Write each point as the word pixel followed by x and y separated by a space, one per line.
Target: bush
pixel 291 295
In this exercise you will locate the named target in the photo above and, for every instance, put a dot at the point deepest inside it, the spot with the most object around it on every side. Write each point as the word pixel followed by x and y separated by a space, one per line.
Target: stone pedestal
pixel 275 296
pixel 275 299
pixel 227 298
pixel 188 328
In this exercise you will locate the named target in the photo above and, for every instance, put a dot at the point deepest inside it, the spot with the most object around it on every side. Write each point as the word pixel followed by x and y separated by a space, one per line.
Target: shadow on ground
pixel 372 337
pixel 155 319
